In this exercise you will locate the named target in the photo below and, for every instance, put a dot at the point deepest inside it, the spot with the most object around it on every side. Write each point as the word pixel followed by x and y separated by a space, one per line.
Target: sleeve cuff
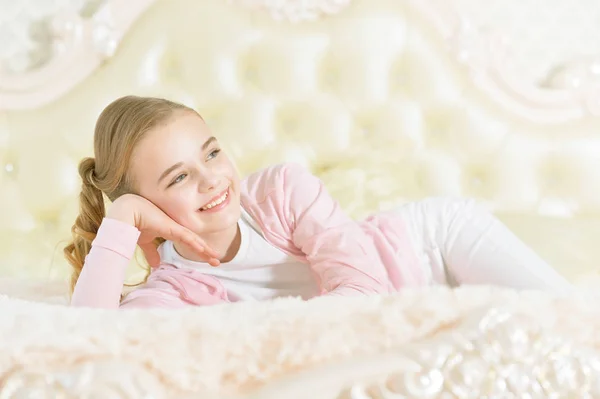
pixel 117 236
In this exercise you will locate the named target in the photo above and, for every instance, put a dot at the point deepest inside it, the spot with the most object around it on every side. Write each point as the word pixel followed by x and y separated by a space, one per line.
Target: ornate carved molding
pixel 106 379
pixel 81 44
pixel 519 348
pixel 485 57
pixel 496 353
pixel 78 46
pixel 295 10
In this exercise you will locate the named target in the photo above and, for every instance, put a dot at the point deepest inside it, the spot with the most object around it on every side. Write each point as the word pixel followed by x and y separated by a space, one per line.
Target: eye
pixel 213 154
pixel 178 179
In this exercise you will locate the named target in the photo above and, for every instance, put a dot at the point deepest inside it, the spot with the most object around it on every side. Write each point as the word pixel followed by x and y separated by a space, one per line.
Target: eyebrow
pixel 168 171
pixel 208 142
pixel 179 164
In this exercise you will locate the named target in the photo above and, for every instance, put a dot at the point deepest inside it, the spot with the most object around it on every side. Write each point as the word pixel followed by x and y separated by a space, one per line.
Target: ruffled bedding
pixel 281 348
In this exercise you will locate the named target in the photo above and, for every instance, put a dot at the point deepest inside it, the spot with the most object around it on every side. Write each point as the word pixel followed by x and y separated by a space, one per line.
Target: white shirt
pixel 259 271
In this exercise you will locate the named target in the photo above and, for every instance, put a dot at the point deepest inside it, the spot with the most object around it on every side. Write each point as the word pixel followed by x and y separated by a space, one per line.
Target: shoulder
pixel 273 195
pixel 277 171
pixel 272 178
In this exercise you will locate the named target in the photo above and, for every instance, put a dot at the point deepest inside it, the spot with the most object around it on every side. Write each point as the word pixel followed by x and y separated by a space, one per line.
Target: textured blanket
pixel 239 348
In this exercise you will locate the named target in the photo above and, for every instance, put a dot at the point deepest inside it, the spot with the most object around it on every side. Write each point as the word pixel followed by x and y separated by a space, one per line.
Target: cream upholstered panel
pixel 541 34
pixel 388 101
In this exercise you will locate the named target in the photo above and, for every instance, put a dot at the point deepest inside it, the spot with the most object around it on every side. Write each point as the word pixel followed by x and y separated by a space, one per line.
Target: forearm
pixel 346 263
pixel 101 280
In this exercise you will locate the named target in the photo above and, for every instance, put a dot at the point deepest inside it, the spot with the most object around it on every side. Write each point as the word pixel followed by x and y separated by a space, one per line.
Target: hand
pixel 152 223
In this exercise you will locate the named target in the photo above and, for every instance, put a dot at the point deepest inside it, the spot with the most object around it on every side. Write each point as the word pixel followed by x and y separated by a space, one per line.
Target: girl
pixel 210 237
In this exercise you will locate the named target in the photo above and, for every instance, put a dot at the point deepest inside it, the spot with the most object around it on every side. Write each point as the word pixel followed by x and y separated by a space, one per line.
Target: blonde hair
pixel 120 127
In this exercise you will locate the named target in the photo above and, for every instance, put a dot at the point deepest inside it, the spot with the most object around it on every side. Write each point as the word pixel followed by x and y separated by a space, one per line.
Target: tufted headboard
pixel 388 101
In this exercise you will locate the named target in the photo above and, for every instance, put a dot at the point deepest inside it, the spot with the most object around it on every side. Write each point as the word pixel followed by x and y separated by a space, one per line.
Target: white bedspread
pixel 236 349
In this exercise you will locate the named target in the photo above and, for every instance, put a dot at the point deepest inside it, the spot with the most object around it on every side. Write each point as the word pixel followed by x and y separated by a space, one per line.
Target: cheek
pixel 224 164
pixel 178 206
pixel 229 170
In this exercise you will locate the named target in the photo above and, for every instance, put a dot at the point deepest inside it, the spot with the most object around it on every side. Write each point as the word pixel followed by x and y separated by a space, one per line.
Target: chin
pixel 219 221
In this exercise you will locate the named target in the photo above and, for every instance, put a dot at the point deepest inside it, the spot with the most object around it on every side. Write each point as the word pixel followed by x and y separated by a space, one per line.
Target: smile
pixel 216 201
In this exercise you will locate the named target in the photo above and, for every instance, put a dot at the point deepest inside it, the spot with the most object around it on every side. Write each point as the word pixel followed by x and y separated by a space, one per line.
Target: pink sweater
pixel 297 215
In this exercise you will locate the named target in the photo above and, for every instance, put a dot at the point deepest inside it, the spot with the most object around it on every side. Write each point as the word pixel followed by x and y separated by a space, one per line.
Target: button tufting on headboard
pixel 386 101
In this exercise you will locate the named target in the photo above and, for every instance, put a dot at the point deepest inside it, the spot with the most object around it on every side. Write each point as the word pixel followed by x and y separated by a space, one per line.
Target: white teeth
pixel 215 202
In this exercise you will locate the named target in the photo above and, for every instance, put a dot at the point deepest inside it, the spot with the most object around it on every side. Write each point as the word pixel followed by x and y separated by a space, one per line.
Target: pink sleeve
pixel 170 287
pixel 341 254
pixel 100 284
pixel 101 280
pixel 159 294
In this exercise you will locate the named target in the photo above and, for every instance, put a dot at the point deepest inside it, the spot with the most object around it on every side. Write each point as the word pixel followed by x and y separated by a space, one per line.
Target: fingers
pixel 205 248
pixel 192 240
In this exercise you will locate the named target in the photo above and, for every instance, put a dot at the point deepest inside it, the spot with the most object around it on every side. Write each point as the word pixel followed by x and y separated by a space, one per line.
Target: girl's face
pixel 180 167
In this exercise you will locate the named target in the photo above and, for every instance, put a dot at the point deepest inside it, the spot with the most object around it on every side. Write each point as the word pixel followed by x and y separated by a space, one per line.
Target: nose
pixel 208 182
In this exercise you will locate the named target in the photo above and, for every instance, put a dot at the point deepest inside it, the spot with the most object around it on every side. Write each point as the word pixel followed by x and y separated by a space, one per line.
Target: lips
pixel 215 201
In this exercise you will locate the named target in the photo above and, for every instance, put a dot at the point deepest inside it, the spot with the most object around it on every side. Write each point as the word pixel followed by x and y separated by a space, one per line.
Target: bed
pixel 388 101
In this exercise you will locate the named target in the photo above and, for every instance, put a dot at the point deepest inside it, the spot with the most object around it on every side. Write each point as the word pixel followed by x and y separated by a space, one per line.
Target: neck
pixel 226 243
